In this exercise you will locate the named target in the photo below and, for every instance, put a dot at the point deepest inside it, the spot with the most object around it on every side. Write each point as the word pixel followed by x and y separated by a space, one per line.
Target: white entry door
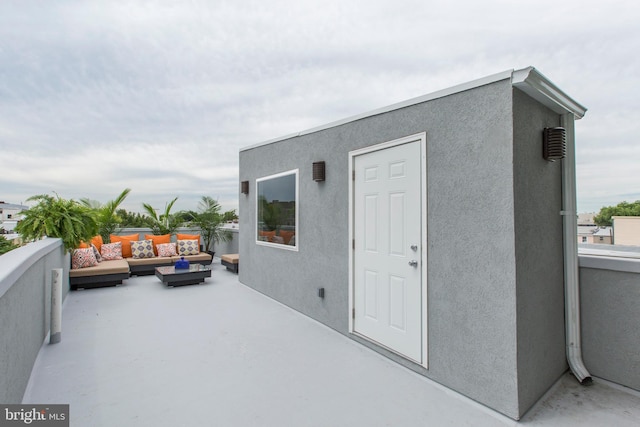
pixel 387 248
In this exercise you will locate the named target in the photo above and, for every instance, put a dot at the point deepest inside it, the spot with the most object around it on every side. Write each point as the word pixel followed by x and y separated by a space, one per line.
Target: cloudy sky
pixel 159 96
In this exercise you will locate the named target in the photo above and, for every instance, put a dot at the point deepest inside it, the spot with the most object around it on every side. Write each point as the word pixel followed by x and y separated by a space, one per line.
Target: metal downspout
pixel 571 285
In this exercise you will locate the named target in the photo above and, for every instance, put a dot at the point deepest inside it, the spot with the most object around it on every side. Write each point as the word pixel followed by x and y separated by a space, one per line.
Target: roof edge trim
pixel 536 85
pixel 529 80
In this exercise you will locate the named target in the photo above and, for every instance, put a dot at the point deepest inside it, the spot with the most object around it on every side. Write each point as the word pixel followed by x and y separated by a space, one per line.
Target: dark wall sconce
pixel 554 143
pixel 244 187
pixel 318 171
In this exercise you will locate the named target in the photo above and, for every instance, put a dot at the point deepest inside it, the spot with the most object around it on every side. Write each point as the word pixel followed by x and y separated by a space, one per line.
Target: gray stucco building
pixel 422 240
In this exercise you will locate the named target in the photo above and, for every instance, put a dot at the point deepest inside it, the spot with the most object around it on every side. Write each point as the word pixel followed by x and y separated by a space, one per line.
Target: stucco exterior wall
pixel 25 310
pixel 494 288
pixel 539 261
pixel 471 287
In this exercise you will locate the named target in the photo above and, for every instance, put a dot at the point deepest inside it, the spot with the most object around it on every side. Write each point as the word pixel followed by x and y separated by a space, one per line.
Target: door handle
pixel 413 263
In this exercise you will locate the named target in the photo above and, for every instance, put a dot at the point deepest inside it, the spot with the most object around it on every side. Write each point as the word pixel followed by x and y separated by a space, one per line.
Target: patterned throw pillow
pixel 111 251
pixel 142 249
pixel 188 237
pixel 158 240
pixel 96 253
pixel 188 247
pixel 166 249
pixel 82 258
pixel 126 243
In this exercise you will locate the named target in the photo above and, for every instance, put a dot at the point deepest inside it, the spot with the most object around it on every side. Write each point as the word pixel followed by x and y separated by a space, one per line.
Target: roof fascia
pixel 536 85
pixel 528 80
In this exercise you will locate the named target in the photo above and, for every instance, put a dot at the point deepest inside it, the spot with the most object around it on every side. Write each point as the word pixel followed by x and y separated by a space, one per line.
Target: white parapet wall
pixel 610 297
pixel 25 310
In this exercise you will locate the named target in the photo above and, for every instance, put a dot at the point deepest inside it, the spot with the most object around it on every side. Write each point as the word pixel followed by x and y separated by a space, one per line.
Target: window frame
pixel 296 173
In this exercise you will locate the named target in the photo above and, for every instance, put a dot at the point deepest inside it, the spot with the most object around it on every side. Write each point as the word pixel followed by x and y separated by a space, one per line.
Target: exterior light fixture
pixel 554 143
pixel 244 187
pixel 318 171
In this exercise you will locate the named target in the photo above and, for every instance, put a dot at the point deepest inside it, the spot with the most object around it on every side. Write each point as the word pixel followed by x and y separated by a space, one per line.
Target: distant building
pixel 10 214
pixel 603 235
pixel 586 218
pixel 595 234
pixel 585 233
pixel 626 230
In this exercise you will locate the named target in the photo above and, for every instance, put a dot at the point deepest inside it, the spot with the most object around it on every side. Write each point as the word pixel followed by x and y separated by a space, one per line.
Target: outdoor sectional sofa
pixel 106 273
pixel 112 272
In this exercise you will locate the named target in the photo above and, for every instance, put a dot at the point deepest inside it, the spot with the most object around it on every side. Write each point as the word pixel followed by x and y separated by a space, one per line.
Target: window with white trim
pixel 277 210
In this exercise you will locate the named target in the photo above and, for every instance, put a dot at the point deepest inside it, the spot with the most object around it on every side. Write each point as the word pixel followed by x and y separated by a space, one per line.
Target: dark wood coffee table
pixel 171 276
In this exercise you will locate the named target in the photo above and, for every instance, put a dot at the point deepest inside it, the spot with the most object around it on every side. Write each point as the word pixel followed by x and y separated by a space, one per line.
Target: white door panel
pixel 387 222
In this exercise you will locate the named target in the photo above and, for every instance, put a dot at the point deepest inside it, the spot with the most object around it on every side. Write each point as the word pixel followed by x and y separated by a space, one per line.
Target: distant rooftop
pixel 616 251
pixel 4 205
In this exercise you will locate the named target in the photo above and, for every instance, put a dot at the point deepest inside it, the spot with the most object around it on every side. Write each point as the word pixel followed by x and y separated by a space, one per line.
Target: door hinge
pixel 353 313
pixel 353 244
pixel 353 175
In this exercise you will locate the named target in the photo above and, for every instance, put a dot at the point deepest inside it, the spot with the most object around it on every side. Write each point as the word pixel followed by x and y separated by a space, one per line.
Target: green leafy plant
pixel 621 209
pixel 68 220
pixel 230 215
pixel 210 220
pixel 133 220
pixel 106 214
pixel 6 245
pixel 165 223
pixel 270 213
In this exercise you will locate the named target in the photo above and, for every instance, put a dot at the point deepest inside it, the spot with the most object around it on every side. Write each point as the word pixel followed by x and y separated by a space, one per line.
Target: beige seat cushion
pixel 165 260
pixel 231 258
pixel 201 257
pixel 105 267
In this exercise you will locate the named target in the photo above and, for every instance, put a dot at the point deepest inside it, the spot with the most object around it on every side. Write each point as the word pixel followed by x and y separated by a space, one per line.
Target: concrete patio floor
pixel 221 354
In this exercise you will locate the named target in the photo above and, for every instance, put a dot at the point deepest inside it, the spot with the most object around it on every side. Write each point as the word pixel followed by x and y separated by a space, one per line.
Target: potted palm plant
pixel 209 219
pixel 165 223
pixel 108 220
pixel 68 220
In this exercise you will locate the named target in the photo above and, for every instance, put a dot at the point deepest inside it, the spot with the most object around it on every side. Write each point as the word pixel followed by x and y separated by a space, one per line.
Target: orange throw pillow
pixel 126 243
pixel 189 237
pixel 286 236
pixel 157 240
pixel 268 234
pixel 97 242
